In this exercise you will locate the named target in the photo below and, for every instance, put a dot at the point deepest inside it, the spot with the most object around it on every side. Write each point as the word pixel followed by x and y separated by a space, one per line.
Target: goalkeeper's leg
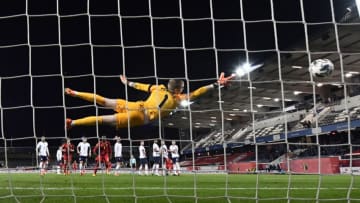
pixel 120 120
pixel 90 97
pixel 91 121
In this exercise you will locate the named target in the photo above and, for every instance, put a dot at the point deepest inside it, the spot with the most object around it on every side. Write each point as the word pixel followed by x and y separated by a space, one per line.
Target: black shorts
pixel 118 159
pixel 143 161
pixel 175 160
pixel 43 158
pixel 156 159
pixel 83 158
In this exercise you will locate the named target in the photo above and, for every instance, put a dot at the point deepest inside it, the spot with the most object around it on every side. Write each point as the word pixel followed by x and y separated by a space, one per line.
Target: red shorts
pixel 102 158
pixel 169 164
pixel 67 158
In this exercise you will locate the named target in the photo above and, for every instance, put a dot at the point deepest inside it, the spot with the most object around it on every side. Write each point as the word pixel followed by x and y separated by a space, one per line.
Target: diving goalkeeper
pixel 161 102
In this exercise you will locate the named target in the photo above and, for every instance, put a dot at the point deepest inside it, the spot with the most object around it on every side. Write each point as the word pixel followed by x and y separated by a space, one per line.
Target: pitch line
pixel 173 188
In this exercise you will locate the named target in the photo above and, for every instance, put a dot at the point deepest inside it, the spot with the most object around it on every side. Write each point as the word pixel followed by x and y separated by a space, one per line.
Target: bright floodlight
pixel 246 68
pixel 240 72
pixel 185 103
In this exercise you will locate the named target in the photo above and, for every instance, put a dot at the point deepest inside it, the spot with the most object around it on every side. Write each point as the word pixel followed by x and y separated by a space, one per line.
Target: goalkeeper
pixel 161 102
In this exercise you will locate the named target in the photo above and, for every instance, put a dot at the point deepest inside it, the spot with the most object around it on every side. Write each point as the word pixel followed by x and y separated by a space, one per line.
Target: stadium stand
pixel 329 114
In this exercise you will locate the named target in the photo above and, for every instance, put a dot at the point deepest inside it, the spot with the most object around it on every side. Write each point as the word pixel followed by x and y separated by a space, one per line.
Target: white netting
pixel 274 118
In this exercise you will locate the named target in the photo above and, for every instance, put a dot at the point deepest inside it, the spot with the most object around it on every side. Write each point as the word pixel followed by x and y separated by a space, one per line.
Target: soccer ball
pixel 321 68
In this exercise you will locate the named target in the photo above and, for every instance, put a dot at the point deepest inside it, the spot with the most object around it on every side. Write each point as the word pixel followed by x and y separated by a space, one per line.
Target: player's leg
pixel 107 164
pixel 141 166
pixel 153 166
pixel 177 166
pixel 117 168
pixel 168 166
pixel 40 164
pixel 84 163
pixel 157 162
pixel 69 164
pixel 174 171
pixel 57 167
pixel 118 163
pixel 163 165
pixel 42 169
pixel 97 164
pixel 146 169
pixel 45 166
pixel 157 166
pixel 65 165
pixel 81 162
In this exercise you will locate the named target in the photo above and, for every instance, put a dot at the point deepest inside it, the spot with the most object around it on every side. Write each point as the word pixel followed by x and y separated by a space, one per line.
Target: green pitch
pixel 30 188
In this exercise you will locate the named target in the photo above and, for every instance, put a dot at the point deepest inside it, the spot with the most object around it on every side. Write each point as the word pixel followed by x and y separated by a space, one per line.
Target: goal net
pixel 274 133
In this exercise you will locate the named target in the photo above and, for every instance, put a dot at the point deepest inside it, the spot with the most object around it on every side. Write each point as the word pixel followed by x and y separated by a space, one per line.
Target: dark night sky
pixel 85 59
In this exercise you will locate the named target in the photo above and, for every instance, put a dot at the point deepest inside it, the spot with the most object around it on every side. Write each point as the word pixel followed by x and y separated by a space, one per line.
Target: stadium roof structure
pixel 340 45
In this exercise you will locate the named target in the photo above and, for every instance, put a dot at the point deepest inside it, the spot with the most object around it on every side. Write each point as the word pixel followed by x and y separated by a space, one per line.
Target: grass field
pixel 30 188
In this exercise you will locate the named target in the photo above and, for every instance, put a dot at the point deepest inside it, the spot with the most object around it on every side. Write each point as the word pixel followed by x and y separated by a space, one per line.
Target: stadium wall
pixel 328 165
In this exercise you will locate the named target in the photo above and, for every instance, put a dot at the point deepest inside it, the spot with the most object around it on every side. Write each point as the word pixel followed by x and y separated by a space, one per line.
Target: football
pixel 321 68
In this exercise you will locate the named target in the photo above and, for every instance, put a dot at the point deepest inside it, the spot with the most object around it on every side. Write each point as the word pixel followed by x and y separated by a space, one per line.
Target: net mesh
pixel 274 118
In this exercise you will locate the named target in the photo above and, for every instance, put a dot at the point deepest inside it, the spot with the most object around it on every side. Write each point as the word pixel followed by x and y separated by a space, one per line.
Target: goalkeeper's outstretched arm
pixel 138 85
pixel 222 81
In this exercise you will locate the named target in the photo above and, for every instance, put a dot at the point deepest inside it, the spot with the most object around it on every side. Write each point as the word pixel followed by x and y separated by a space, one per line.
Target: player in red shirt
pixel 102 151
pixel 67 151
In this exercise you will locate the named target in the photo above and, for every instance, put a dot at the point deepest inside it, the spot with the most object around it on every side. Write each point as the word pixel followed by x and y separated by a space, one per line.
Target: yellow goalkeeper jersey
pixel 161 99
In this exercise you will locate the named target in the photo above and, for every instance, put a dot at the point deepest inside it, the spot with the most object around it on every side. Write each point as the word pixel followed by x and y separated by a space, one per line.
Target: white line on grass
pixel 172 188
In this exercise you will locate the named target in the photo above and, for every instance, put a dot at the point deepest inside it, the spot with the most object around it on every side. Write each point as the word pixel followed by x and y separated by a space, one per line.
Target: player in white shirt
pixel 143 159
pixel 164 156
pixel 118 154
pixel 84 151
pixel 59 160
pixel 156 157
pixel 174 149
pixel 42 150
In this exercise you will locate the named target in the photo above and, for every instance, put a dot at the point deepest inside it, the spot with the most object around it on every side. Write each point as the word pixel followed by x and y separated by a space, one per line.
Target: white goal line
pixel 175 188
